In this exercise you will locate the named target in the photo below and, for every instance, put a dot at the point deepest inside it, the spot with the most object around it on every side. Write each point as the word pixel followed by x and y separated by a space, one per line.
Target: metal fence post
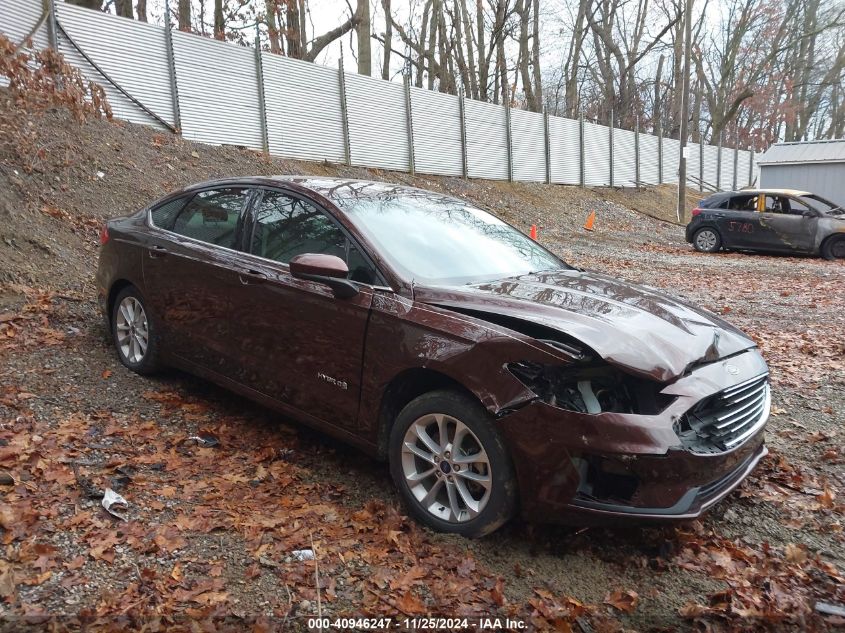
pixel 548 146
pixel 462 108
pixel 660 157
pixel 701 163
pixel 344 111
pixel 750 166
pixel 409 114
pixel 736 162
pixel 171 64
pixel 719 164
pixel 637 153
pixel 611 147
pixel 262 100
pixel 509 139
pixel 582 170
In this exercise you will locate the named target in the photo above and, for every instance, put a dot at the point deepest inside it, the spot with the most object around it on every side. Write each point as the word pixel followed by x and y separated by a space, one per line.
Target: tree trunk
pixel 88 4
pixel 657 112
pixel 124 8
pixel 271 9
pixel 293 38
pixel 141 10
pixel 185 15
pixel 471 69
pixel 523 8
pixel 365 56
pixel 483 58
pixel 535 59
pixel 388 40
pixel 219 27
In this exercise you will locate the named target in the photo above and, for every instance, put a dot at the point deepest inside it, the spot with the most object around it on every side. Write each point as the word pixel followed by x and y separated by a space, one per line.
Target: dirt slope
pixel 211 530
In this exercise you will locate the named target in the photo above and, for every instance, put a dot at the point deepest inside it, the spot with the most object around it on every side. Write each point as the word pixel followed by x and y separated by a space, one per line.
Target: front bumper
pixel 570 465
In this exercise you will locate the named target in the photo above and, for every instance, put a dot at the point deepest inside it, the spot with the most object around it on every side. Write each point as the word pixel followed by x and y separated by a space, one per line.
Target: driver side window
pixel 777 204
pixel 286 227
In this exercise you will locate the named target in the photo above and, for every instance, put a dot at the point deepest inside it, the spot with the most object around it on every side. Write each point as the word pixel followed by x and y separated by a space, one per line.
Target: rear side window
pixel 212 217
pixel 164 215
pixel 713 202
pixel 743 203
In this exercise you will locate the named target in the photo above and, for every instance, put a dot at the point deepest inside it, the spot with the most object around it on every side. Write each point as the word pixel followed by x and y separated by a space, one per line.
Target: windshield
pixel 817 202
pixel 436 239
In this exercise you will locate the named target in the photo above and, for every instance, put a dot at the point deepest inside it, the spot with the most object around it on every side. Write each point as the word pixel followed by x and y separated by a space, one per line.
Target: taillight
pixel 696 212
pixel 104 234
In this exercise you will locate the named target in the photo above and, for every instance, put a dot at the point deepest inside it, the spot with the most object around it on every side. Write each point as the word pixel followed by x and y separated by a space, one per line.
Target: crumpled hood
pixel 634 327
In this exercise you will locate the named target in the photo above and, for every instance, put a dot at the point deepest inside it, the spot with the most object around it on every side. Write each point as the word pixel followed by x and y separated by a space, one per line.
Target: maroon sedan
pixel 489 373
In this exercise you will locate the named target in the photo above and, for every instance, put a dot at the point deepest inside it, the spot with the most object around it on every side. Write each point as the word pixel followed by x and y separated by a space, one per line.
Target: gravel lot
pixel 211 529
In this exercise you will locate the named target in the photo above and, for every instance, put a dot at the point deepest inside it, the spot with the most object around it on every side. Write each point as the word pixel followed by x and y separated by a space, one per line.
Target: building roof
pixel 804 152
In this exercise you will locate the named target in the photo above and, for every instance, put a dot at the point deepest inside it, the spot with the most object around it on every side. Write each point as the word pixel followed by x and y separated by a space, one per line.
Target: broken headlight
pixel 591 389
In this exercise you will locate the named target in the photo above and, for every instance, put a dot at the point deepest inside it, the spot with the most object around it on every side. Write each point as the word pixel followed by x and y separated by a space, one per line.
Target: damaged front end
pixel 601 441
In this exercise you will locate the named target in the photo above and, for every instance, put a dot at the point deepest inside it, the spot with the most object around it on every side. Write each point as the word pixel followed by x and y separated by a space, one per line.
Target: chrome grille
pixel 725 420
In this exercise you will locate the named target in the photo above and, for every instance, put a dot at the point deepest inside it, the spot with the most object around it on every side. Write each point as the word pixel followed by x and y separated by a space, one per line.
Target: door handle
pixel 251 276
pixel 157 251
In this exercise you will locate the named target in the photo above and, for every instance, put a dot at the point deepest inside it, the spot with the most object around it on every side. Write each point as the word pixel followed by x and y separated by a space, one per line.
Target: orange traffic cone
pixel 591 219
pixel 534 232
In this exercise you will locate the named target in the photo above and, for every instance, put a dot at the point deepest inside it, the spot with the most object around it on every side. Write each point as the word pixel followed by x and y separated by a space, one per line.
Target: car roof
pixel 776 192
pixel 334 189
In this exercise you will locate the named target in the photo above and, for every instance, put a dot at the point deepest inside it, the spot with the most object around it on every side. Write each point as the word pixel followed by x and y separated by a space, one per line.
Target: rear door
pixel 191 270
pixel 737 222
pixel 784 227
pixel 295 341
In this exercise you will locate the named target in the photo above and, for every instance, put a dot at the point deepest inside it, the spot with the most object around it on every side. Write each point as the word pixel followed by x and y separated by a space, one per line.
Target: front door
pixel 784 227
pixel 296 342
pixel 191 272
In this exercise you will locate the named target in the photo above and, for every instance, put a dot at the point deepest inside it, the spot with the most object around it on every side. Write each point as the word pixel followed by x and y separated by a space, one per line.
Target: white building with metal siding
pixel 816 166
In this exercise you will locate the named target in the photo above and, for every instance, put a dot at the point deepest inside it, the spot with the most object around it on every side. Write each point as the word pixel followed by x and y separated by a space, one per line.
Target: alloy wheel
pixel 706 240
pixel 132 330
pixel 446 468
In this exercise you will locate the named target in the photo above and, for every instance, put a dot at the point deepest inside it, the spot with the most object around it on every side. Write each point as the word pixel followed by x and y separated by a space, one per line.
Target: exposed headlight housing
pixel 592 388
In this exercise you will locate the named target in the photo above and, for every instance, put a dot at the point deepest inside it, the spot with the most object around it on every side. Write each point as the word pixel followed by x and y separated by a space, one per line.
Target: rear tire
pixel 134 333
pixel 833 247
pixel 707 240
pixel 450 465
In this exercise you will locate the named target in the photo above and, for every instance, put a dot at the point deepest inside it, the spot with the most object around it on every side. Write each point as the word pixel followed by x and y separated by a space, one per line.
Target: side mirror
pixel 324 269
pixel 809 213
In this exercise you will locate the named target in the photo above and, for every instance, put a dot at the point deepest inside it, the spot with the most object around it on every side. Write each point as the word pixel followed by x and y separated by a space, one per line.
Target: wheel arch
pixel 827 240
pixel 114 290
pixel 402 389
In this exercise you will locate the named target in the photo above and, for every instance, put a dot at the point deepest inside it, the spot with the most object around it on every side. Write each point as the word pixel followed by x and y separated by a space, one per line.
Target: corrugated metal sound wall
pixel 436 119
pixel 649 159
pixel 565 150
pixel 487 140
pixel 624 158
pixel 218 91
pixel 117 52
pixel 596 155
pixel 304 117
pixel 218 96
pixel 378 123
pixel 529 143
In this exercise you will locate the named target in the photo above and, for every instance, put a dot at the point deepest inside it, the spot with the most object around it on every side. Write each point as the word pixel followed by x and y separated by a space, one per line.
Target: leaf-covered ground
pixel 222 493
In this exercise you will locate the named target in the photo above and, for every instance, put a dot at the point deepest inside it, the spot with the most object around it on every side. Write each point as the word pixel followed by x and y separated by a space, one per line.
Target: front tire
pixel 707 240
pixel 133 332
pixel 450 465
pixel 833 247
